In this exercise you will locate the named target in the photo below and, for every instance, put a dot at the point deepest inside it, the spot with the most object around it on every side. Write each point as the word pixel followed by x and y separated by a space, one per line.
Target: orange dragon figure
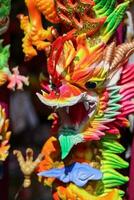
pixel 4 135
pixel 90 87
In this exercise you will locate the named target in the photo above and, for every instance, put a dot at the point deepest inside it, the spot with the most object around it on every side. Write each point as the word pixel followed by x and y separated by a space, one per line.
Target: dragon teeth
pixel 67 109
pixel 91 113
pixel 76 126
pixel 86 104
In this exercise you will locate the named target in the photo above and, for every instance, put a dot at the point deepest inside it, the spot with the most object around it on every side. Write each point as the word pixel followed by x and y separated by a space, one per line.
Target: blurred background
pixel 28 116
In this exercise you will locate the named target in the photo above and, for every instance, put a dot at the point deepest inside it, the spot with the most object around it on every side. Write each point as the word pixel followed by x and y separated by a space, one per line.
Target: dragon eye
pixel 53 86
pixel 90 85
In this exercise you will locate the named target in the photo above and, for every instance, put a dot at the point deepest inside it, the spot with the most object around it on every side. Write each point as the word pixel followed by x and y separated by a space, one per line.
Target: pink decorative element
pixel 17 80
pixel 127 90
pixel 127 74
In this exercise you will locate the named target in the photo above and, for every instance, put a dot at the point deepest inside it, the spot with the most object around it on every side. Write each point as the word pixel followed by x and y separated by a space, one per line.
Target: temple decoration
pixel 13 80
pixel 4 135
pixel 5 7
pixel 90 86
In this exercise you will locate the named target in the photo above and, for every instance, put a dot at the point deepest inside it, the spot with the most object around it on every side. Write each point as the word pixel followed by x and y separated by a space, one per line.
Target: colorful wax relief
pixel 90 87
pixel 4 135
pixel 15 80
pixel 5 7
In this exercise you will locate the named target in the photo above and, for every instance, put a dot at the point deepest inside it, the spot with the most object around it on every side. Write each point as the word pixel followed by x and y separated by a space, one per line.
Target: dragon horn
pixel 122 53
pixel 108 55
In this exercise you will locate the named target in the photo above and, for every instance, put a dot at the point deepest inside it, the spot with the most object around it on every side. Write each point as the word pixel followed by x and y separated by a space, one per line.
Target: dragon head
pixel 82 67
pixel 84 88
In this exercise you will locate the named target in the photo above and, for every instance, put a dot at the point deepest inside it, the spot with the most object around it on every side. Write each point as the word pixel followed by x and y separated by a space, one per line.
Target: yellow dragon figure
pixel 55 12
pixel 90 87
pixel 4 135
pixel 35 34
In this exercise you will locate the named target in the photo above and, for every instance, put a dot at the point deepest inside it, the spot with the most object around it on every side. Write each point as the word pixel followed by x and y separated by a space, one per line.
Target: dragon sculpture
pixel 4 135
pixel 14 80
pixel 89 87
pixel 5 7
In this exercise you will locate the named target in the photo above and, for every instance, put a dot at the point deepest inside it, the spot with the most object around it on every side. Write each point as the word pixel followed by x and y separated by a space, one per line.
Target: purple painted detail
pixel 78 173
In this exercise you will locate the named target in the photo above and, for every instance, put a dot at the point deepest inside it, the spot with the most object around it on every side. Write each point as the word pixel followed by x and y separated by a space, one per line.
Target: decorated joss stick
pixel 14 80
pixel 90 86
pixel 4 133
pixel 4 56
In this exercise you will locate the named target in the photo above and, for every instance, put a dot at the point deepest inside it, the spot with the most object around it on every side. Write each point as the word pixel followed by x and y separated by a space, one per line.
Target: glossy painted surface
pixel 89 86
